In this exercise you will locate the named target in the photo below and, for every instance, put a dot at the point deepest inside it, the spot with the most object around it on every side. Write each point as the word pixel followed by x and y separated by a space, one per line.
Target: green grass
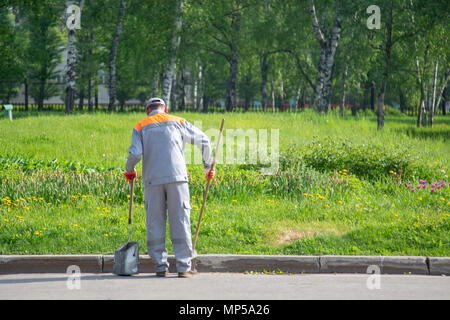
pixel 341 187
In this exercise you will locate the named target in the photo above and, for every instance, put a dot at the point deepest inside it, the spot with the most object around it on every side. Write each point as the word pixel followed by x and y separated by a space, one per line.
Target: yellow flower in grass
pixel 340 202
pixel 419 198
pixel 75 225
pixel 442 199
pixel 234 200
pixel 6 220
pixel 106 235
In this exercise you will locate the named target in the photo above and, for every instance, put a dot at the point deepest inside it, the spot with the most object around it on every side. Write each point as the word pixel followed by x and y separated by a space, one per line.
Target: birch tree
pixel 169 73
pixel 328 44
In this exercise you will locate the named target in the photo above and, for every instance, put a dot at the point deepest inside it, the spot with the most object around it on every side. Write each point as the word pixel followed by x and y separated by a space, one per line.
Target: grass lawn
pixel 341 187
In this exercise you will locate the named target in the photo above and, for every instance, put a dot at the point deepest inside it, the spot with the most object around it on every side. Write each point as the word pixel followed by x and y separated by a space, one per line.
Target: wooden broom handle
pixel 205 195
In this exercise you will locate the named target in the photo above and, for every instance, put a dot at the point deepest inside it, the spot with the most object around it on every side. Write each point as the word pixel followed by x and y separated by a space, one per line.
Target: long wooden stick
pixel 205 195
pixel 131 209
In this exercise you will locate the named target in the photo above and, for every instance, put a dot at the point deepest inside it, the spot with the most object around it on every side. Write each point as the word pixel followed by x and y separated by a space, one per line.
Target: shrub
pixel 368 161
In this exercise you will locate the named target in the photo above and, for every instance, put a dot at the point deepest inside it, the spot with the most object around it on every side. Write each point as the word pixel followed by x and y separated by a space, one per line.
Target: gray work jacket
pixel 159 140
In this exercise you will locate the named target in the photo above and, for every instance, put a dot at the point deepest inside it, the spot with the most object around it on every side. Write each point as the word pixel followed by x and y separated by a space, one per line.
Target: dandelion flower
pixel 420 198
pixel 441 198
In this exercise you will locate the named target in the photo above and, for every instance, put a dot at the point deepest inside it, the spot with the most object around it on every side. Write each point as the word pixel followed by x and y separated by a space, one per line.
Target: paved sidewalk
pixel 223 286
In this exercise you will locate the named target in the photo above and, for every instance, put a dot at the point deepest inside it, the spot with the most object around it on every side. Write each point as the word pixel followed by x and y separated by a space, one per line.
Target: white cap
pixel 154 101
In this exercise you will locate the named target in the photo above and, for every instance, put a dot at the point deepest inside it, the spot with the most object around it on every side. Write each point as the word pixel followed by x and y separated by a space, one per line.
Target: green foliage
pixel 368 161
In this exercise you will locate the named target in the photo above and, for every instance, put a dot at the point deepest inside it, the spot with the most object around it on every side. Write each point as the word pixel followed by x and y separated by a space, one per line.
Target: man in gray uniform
pixel 159 139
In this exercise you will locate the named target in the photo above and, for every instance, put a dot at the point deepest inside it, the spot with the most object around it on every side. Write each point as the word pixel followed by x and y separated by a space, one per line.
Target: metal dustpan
pixel 126 258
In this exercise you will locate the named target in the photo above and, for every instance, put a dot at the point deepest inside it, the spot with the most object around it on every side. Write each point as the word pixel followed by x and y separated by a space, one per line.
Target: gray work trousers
pixel 171 199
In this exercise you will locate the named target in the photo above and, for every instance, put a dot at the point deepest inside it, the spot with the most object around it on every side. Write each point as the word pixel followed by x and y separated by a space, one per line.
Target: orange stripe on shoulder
pixel 158 118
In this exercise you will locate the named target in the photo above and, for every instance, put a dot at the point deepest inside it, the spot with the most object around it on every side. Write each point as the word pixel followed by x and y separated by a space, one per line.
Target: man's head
pixel 155 104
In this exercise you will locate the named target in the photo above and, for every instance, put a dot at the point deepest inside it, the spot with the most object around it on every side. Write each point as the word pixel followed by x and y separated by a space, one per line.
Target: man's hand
pixel 130 176
pixel 209 175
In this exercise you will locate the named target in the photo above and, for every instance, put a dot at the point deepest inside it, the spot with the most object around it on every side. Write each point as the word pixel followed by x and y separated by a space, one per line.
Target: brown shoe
pixel 162 273
pixel 187 274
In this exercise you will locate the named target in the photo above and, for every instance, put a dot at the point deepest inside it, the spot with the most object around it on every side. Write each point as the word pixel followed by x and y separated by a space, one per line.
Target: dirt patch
pixel 290 235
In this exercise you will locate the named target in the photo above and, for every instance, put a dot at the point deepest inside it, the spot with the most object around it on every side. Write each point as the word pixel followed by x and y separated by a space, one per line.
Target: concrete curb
pixel 10 264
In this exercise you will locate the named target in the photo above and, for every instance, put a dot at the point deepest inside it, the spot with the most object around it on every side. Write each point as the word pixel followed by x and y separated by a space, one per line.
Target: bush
pixel 368 161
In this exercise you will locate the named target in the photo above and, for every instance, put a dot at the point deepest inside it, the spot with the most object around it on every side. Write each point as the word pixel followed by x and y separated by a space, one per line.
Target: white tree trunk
pixel 170 69
pixel 433 101
pixel 70 66
pixel 328 45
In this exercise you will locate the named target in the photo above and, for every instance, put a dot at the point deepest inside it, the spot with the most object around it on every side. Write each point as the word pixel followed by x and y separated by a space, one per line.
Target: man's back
pixel 160 139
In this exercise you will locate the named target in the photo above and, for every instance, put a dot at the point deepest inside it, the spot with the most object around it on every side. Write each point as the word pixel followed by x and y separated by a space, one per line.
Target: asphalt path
pixel 223 286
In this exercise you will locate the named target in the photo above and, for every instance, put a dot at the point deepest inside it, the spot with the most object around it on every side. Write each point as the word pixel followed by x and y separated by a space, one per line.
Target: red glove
pixel 210 175
pixel 130 176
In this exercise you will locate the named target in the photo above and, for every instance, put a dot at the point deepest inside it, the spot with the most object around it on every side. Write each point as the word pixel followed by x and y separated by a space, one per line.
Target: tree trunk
pixel 444 106
pixel 442 91
pixel 201 88
pixel 297 98
pixel 26 93
pixel 366 96
pixel 231 99
pixel 328 46
pixel 273 96
pixel 89 74
pixel 344 87
pixel 96 97
pixel 402 100
pixel 264 65
pixel 182 91
pixel 81 100
pixel 355 107
pixel 170 69
pixel 372 96
pixel 41 95
pixel 433 101
pixel 113 57
pixel 386 69
pixel 70 65
pixel 89 94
